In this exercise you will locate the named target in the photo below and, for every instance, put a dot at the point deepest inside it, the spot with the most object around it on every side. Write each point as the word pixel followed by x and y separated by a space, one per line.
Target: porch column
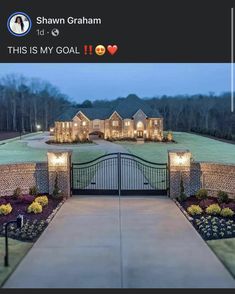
pixel 179 162
pixel 59 166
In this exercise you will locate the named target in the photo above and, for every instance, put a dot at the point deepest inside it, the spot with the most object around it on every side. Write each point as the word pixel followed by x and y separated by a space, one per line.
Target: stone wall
pixel 215 177
pixel 23 175
pixel 196 175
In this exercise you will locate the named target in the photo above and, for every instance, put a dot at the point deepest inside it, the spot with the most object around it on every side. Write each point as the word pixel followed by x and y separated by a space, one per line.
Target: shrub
pixel 194 210
pixel 222 197
pixel 206 202
pixel 17 193
pixel 43 200
pixel 227 212
pixel 182 196
pixel 2 201
pixel 34 207
pixel 169 136
pixel 56 192
pixel 5 209
pixel 201 194
pixel 33 191
pixel 27 199
pixel 230 205
pixel 213 209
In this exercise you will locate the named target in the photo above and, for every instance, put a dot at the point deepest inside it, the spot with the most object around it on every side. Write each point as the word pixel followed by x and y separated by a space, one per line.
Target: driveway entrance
pixel 119 174
pixel 112 242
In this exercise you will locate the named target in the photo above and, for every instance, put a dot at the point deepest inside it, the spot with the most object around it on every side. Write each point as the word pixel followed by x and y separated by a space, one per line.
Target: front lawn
pixel 225 251
pixel 17 250
pixel 202 148
pixel 17 151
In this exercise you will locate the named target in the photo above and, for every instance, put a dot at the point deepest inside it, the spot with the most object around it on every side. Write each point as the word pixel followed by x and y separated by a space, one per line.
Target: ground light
pixel 19 222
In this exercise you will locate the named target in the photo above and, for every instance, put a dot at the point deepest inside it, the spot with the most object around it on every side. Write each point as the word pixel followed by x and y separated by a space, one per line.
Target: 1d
pixel 40 32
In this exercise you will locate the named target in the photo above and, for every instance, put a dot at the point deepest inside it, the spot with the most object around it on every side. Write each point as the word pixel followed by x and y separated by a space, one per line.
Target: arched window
pixel 140 125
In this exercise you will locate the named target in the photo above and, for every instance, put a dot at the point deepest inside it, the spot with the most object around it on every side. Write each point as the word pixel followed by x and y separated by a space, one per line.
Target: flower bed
pixel 34 223
pixel 211 218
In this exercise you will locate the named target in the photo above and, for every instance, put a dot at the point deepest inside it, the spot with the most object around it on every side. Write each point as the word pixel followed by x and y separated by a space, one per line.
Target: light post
pixel 38 127
pixel 19 222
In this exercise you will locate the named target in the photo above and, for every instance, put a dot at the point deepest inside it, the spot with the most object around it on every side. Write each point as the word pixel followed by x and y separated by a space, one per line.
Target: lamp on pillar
pixel 179 161
pixel 59 164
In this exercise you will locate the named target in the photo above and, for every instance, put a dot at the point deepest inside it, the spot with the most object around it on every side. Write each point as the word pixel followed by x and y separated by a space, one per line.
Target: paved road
pixel 138 242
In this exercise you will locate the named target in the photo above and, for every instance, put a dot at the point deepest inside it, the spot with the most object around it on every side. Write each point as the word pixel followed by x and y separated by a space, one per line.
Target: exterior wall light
pixel 57 159
pixel 179 158
pixel 75 124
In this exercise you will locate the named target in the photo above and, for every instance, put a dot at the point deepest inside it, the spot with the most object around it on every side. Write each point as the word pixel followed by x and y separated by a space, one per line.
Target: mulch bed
pixel 211 227
pixel 34 224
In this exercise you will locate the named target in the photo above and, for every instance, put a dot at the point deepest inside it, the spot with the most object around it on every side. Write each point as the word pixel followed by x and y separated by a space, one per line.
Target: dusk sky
pixel 109 81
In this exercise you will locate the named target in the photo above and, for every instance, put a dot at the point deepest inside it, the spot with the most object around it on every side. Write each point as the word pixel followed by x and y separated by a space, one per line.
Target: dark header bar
pixel 129 31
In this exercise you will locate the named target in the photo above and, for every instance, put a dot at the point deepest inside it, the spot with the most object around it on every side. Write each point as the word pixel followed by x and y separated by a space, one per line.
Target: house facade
pixel 132 117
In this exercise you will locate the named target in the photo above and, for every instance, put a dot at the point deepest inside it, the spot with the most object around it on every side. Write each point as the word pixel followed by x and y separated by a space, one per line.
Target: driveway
pixel 39 141
pixel 132 242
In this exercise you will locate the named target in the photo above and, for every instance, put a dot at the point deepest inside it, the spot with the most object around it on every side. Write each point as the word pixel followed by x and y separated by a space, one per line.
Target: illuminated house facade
pixel 132 117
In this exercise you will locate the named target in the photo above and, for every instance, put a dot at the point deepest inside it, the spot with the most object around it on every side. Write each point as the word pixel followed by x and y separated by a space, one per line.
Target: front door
pixel 140 134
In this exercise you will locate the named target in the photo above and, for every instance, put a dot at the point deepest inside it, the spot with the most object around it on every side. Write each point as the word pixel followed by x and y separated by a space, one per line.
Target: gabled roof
pixel 114 113
pixel 126 108
pixel 96 113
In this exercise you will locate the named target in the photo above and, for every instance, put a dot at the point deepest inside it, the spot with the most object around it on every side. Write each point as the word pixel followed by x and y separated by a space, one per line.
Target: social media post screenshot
pixel 117 145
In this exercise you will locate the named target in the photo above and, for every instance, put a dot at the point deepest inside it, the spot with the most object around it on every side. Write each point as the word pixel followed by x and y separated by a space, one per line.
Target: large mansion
pixel 132 117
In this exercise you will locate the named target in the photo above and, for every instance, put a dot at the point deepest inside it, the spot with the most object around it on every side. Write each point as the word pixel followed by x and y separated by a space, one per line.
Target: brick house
pixel 132 117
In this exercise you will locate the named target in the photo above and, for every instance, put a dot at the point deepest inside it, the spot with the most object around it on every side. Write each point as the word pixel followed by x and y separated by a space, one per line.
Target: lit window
pixel 67 124
pixel 156 122
pixel 140 125
pixel 127 123
pixel 115 123
pixel 84 123
pixel 75 124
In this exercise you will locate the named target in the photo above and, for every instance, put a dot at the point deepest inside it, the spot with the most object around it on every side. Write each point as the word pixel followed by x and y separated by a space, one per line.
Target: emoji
pixel 112 49
pixel 88 48
pixel 100 50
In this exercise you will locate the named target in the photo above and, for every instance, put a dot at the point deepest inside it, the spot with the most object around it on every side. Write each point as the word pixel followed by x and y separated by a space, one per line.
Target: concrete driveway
pixel 133 242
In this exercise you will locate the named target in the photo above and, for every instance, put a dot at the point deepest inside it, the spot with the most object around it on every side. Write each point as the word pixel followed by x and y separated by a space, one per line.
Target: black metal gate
pixel 119 174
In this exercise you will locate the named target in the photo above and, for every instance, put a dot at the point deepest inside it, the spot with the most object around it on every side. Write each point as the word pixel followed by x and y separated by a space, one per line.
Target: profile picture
pixel 19 24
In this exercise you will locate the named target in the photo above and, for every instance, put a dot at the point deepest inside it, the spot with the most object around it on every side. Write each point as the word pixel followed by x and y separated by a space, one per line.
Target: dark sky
pixel 108 81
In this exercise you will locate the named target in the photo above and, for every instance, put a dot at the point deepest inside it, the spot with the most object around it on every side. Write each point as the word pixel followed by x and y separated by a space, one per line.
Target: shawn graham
pixel 69 20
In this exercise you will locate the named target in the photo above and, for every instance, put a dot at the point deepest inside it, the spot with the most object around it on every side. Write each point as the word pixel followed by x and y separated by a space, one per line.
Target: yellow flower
pixel 34 207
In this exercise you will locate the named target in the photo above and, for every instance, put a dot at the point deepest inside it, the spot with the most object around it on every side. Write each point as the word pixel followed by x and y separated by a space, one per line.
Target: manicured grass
pixel 225 250
pixel 18 151
pixel 17 251
pixel 202 148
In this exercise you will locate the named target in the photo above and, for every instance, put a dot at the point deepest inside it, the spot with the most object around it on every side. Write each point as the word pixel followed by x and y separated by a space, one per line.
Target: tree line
pixel 28 103
pixel 205 114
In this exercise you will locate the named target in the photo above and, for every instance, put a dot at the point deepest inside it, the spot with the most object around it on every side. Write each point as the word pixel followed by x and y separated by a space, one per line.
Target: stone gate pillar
pixel 179 162
pixel 59 166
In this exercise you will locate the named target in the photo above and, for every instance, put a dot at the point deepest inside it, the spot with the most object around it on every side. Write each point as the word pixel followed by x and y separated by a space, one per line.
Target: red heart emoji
pixel 112 49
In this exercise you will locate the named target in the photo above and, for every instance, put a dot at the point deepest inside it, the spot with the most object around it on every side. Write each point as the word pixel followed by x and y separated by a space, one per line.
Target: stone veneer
pixel 217 176
pixel 40 174
pixel 23 175
pixel 208 175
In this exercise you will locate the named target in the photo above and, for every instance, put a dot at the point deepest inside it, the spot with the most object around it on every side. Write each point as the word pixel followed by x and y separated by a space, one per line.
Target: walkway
pixel 98 242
